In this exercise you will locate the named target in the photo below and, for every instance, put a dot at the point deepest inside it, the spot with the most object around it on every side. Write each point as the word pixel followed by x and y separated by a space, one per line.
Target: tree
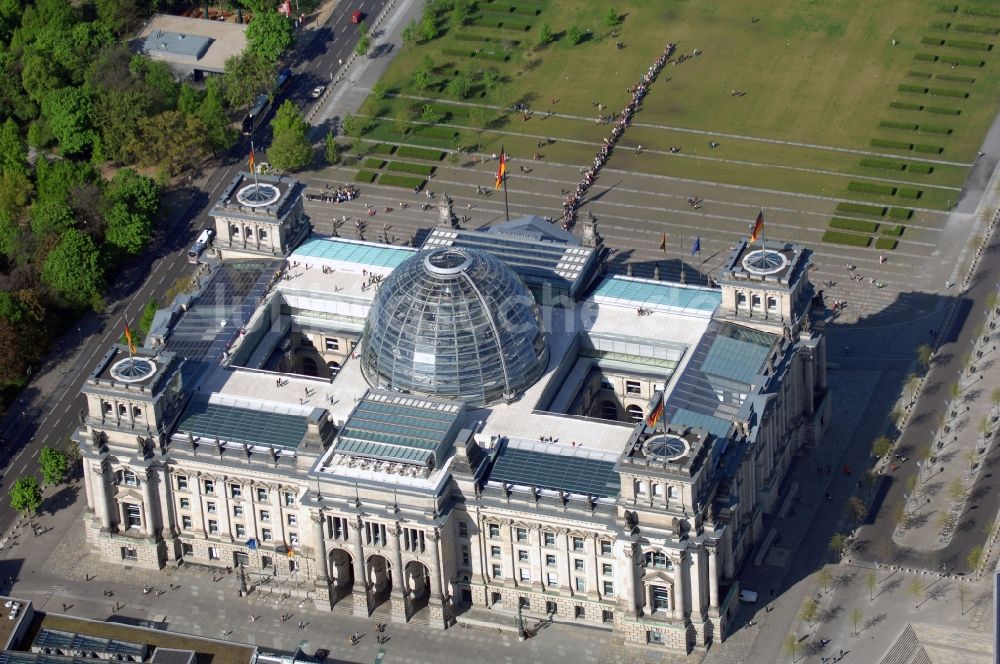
pixel 791 646
pixel 901 516
pixel 148 313
pixel 363 46
pixel 127 231
pixel 912 382
pixel 460 12
pixel 51 216
pixel 26 495
pixel 824 576
pixel 12 152
pixel 480 117
pixel 881 447
pixel 963 594
pixel 116 118
pixel 428 29
pixel 492 78
pixel 69 112
pixel 351 126
pixel 611 19
pixel 856 510
pixel 408 34
pixel 290 149
pixel 430 114
pixel 574 35
pixel 870 583
pixel 809 610
pixel 544 35
pixel 957 490
pixel 212 112
pixel 120 16
pixel 74 270
pixel 331 151
pixel 270 35
pixel 975 558
pixel 246 76
pixel 995 396
pixel 837 543
pixel 54 465
pixel 916 588
pixel 856 616
pixel 925 354
pixel 460 86
pixel 379 91
pixel 171 140
pixel 138 192
pixel 421 79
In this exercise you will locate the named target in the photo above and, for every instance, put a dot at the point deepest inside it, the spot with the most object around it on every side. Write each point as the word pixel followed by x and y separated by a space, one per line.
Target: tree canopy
pixel 270 35
pixel 26 495
pixel 73 269
pixel 54 465
pixel 290 149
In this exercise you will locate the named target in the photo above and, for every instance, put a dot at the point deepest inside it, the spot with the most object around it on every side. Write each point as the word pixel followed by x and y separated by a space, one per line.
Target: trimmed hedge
pixel 372 162
pixel 922 169
pixel 941 110
pixel 854 225
pixel 948 92
pixel 382 148
pixel 365 176
pixel 961 62
pixel 894 231
pixel 419 153
pixel 925 57
pixel 928 149
pixel 909 192
pixel 940 26
pixel 932 41
pixel 905 106
pixel 404 167
pixel 885 243
pixel 915 89
pixel 947 9
pixel 858 208
pixel 895 145
pixel 969 45
pixel 887 164
pixel 869 188
pixel 919 74
pixel 836 237
pixel 956 79
pixel 502 21
pixel 992 12
pixel 430 131
pixel 935 129
pixel 892 124
pixel 977 29
pixel 390 180
pixel 900 213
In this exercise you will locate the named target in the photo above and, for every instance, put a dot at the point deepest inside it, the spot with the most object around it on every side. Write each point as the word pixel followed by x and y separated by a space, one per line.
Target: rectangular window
pixel 266 561
pixel 495 551
pixel 265 534
pixel 293 520
pixel 607 616
pixel 241 531
pixel 494 531
pixel 578 612
pixel 241 558
pixel 187 549
pixel 551 579
pixel 332 344
pixel 609 589
pixel 265 516
pixel 578 564
pixel 550 539
pixel 551 607
pixel 336 527
pixel 261 495
pixel 524 603
pixel 235 490
pixel 525 573
pixel 210 507
pixel 466 559
pixel 522 534
pixel 578 544
pixel 605 548
pixel 463 529
pixel 497 572
pixel 654 637
pixel 550 560
pixel 581 585
pixel 772 304
pixel 186 523
pixel 185 504
pixel 213 553
pixel 237 510
pixel 607 569
pixel 633 387
pixel 133 516
pixel 130 553
pixel 293 539
pixel 522 556
pixel 661 599
pixel 182 483
pixel 209 488
pixel 213 527
pixel 288 498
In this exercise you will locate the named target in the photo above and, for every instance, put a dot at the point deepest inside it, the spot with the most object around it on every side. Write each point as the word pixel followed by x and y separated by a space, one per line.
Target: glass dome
pixel 454 323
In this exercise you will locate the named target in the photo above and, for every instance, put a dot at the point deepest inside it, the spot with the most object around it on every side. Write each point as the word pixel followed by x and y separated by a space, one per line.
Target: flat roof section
pixel 242 425
pixel 192 43
pixel 657 295
pixel 336 251
pixel 582 474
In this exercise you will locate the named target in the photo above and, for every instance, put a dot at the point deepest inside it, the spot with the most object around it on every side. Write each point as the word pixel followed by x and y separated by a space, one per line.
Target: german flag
pixel 502 169
pixel 129 339
pixel 655 416
pixel 663 243
pixel 758 226
pixel 251 162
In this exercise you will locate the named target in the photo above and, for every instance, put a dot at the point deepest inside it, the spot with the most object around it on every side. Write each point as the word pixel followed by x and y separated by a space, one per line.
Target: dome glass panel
pixel 454 323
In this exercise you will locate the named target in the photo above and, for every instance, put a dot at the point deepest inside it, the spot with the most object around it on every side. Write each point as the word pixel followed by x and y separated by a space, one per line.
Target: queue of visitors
pixel 638 91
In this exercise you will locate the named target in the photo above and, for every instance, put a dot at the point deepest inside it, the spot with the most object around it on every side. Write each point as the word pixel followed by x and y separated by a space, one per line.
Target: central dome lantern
pixel 454 323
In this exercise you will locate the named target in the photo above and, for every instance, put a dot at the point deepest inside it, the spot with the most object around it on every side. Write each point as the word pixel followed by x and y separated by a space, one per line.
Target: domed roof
pixel 454 323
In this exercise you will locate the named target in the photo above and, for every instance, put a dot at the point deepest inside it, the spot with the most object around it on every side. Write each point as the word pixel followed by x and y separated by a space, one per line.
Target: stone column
pixel 539 581
pixel 103 502
pixel 197 505
pixel 728 565
pixel 435 571
pixel 810 382
pixel 595 542
pixel 397 597
pixel 148 505
pixel 713 579
pixel 360 590
pixel 88 486
pixel 697 589
pixel 632 602
pixel 567 543
pixel 679 599
pixel 319 546
pixel 168 516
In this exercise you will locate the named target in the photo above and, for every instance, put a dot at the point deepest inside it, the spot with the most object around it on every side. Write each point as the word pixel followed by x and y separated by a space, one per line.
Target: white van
pixel 748 596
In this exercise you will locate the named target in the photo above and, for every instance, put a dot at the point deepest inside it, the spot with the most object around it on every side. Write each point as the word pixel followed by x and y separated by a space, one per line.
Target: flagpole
pixel 253 166
pixel 506 207
pixel 763 241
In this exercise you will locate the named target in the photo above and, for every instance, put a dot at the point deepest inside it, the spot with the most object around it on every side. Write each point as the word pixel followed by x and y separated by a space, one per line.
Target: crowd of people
pixel 348 192
pixel 637 92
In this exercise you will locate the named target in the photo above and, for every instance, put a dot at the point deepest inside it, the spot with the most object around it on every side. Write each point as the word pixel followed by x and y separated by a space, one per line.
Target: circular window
pixel 133 369
pixel 764 262
pixel 667 447
pixel 258 195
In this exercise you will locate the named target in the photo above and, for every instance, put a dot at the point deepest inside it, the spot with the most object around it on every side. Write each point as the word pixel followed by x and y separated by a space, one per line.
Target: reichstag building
pixel 491 423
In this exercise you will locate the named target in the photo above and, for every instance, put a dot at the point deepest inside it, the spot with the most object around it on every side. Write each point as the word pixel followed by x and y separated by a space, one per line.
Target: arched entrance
pixel 379 576
pixel 416 580
pixel 341 574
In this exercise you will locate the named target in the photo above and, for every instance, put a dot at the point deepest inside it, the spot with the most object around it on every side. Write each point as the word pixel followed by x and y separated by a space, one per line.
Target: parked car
pixel 318 91
pixel 357 16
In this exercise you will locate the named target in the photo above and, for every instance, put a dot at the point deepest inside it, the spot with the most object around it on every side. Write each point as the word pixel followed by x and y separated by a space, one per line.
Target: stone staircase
pixel 902 650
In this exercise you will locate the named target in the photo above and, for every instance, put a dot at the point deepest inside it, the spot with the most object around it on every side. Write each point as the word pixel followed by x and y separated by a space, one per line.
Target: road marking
pixel 35 454
pixel 24 468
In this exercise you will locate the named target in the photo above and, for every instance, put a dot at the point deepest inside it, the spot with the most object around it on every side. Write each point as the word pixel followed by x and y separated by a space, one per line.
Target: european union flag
pixel 252 544
pixel 696 247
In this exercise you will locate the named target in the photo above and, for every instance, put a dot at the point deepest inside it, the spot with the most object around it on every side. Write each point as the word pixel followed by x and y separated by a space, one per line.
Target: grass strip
pixel 409 152
pixel 886 164
pixel 850 239
pixel 859 208
pixel 956 78
pixel 905 106
pixel 935 129
pixel 381 148
pixel 928 149
pixel 915 89
pixel 969 45
pixel 892 124
pixel 373 162
pixel 894 145
pixel 391 180
pixel 900 213
pixel 854 225
pixel 943 110
pixel 894 231
pixel 365 176
pixel 922 169
pixel 977 29
pixel 870 188
pixel 415 169
pixel 948 92
pixel 886 243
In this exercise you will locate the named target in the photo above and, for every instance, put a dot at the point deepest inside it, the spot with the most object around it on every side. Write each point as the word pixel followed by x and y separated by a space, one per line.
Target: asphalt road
pixel 48 410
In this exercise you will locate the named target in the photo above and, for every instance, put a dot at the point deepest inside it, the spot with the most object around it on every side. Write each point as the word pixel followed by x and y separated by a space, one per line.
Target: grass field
pixel 835 92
